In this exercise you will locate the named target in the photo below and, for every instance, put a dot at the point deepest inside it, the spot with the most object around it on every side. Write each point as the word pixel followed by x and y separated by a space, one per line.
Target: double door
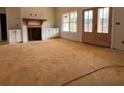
pixel 97 24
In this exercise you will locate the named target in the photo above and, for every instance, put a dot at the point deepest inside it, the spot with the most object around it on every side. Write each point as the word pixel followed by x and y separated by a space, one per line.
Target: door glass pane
pixel 88 21
pixel 100 20
pixel 106 20
pixel 103 20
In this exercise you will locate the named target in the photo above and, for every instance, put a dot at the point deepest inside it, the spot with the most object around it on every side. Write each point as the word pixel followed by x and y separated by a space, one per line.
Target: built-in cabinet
pixel 53 32
pixel 15 36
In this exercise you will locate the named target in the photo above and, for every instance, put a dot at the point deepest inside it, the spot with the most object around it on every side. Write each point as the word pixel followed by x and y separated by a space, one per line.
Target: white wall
pixel 42 13
pixel 118 30
pixel 13 17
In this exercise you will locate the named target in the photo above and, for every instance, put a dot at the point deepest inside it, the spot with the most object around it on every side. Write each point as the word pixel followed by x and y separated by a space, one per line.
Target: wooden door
pixel 89 25
pixel 99 20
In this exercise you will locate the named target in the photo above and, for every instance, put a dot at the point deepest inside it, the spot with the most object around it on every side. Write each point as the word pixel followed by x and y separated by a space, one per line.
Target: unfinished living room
pixel 61 46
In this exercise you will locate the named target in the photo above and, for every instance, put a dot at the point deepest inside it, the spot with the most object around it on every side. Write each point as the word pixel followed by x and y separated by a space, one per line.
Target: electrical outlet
pixel 35 14
pixel 117 23
pixel 30 14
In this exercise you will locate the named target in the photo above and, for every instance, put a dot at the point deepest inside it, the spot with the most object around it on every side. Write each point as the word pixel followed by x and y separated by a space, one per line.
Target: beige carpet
pixel 57 61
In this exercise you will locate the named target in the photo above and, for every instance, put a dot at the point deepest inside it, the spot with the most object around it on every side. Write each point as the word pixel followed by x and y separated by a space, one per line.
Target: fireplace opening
pixel 34 34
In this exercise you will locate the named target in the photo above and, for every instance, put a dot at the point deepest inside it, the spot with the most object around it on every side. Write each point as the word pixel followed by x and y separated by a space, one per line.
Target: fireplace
pixel 33 29
pixel 34 34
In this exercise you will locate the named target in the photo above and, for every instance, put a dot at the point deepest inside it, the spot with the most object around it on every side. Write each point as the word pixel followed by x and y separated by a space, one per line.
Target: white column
pixel 24 34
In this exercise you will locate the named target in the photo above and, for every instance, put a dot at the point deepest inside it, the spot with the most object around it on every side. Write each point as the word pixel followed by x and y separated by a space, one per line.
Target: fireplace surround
pixel 34 28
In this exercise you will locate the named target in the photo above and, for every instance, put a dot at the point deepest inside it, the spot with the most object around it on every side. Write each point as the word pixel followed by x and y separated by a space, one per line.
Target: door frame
pixel 1 29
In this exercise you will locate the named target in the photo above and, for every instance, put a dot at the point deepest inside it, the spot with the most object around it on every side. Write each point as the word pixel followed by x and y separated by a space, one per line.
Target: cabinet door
pixel 18 36
pixel 12 36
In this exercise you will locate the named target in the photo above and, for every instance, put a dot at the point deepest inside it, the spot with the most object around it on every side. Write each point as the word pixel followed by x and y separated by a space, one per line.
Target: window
pixel 66 22
pixel 70 22
pixel 103 20
pixel 73 22
pixel 88 21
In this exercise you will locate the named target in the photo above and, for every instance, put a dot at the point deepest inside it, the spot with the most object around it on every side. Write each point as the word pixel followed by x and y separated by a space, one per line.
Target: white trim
pixel 113 27
pixel 7 28
pixel 0 30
